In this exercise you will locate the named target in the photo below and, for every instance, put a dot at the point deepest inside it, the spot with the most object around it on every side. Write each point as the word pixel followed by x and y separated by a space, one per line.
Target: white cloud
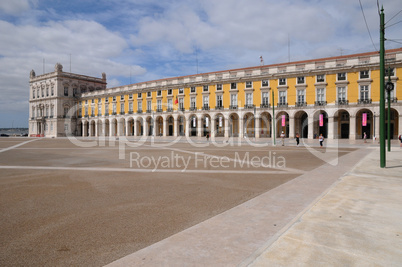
pixel 14 7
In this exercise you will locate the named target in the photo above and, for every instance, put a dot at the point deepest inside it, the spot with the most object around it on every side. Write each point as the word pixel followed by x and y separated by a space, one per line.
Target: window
pixel 282 81
pixel 233 86
pixel 106 99
pixel 342 76
pixel 300 96
pixel 205 101
pixel 92 101
pixel 86 102
pixel 106 109
pixel 114 108
pixel 92 112
pixel 320 94
pixel 159 93
pixel 181 90
pixel 122 97
pixel 300 80
pixel 249 99
pixel 364 74
pixel 264 83
pixel 65 91
pixel 249 84
pixel 99 100
pixel 169 91
pixel 219 102
pixel 233 100
pixel 341 94
pixel 99 109
pixel 149 94
pixel 364 92
pixel 219 87
pixel 205 88
pixel 181 103
pixel 320 78
pixel 130 107
pixel 139 106
pixel 52 110
pixel 86 111
pixel 47 111
pixel 192 102
pixel 265 98
pixel 52 91
pixel 139 95
pixel 170 104
pixel 130 96
pixel 33 95
pixel 159 105
pixel 37 93
pixel 149 105
pixel 121 108
pixel 282 97
pixel 192 90
pixel 387 72
pixel 114 99
pixel 47 91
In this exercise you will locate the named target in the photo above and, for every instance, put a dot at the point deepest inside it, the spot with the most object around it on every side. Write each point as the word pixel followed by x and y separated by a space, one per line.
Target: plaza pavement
pixel 343 215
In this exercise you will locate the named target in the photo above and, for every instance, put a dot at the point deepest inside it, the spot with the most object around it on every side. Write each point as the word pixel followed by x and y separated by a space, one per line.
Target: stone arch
pixel 249 124
pixel 342 124
pixel 364 123
pixel 220 124
pixel 320 123
pixel 282 123
pixel 301 123
pixel 234 125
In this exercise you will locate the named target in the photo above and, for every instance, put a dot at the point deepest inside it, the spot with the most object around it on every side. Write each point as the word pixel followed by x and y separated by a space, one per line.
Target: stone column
pixel 84 132
pixel 164 126
pixel 175 126
pixel 310 123
pixel 199 126
pixel 127 128
pixel 145 127
pixel 103 128
pixel 187 127
pixel 352 128
pixel 226 123
pixel 331 128
pixel 292 127
pixel 241 126
pixel 213 128
pixel 135 127
pixel 257 127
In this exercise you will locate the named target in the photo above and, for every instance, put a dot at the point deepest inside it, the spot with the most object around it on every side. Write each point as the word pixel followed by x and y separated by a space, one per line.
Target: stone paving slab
pixel 358 223
pixel 238 236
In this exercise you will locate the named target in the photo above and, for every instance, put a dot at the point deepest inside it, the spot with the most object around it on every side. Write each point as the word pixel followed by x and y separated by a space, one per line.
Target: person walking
pixel 321 139
pixel 297 139
pixel 365 137
pixel 283 138
pixel 400 139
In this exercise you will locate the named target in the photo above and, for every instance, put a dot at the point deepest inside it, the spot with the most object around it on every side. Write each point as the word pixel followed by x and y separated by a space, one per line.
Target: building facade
pixel 337 97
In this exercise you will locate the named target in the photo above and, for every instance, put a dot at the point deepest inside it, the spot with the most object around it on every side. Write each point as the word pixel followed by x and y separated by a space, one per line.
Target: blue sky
pixel 140 40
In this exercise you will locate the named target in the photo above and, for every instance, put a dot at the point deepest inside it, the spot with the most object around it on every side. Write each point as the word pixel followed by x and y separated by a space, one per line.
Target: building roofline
pixel 274 65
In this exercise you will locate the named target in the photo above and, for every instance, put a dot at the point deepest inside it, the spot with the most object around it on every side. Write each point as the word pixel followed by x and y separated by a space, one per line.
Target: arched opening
pixel 393 123
pixel 181 125
pixel 170 126
pixel 206 125
pixel 219 125
pixel 234 125
pixel 265 124
pixel 342 124
pixel 150 123
pixel 130 127
pixel 364 123
pixel 193 125
pixel 249 125
pixel 301 124
pixel 282 123
pixel 320 124
pixel 107 128
pixel 159 126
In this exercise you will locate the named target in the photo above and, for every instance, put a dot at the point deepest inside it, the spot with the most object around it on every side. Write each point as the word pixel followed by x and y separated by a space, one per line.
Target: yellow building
pixel 337 97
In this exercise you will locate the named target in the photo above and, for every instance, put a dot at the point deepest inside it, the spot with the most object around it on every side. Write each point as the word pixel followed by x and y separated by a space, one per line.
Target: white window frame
pixel 233 100
pixel 265 98
pixel 159 104
pixel 193 102
pixel 318 94
pixel 249 84
pixel 345 92
pixel 219 87
pixel 301 93
pixel 219 99
pixel 368 91
pixel 339 74
pixel 282 81
pixel 320 78
pixel 205 101
pixel 282 94
pixel 265 83
pixel 249 99
pixel 181 90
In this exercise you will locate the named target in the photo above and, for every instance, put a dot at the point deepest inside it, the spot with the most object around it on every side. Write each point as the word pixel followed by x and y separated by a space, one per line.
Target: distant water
pixel 14 131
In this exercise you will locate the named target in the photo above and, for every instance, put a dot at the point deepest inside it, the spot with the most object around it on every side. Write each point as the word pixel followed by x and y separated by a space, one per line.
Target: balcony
pixel 130 112
pixel 122 113
pixel 169 110
pixel 149 111
pixel 139 111
pixel 342 102
pixel 218 107
pixel 265 106
pixel 249 106
pixel 364 101
pixel 320 103
pixel 107 114
pixel 193 108
pixel 114 113
pixel 301 104
pixel 393 99
pixel 232 107
pixel 181 109
pixel 282 105
pixel 205 107
pixel 159 110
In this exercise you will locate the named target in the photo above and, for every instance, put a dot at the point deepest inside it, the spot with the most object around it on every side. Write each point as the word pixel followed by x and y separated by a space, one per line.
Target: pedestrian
pixel 321 139
pixel 297 139
pixel 207 136
pixel 400 139
pixel 365 137
pixel 283 138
